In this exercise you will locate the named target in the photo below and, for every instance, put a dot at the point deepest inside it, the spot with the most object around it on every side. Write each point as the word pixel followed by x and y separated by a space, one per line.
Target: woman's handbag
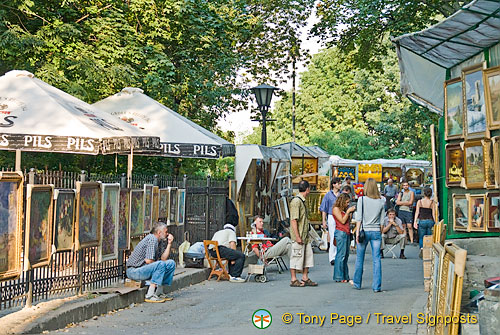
pixel 361 235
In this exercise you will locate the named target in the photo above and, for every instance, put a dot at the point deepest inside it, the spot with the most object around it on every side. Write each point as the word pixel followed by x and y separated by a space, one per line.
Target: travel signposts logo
pixel 262 319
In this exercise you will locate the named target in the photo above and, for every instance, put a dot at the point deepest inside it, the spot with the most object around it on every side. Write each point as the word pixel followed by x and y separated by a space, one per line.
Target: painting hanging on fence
pixel 11 204
pixel 493 211
pixel 38 241
pixel 476 210
pixel 136 212
pixel 123 220
pixel 181 208
pixel 88 214
pixel 163 206
pixel 64 219
pixel 148 207
pixel 474 164
pixel 492 93
pixel 172 206
pixel 454 164
pixel 454 118
pixel 108 248
pixel 460 212
pixel 476 125
pixel 156 203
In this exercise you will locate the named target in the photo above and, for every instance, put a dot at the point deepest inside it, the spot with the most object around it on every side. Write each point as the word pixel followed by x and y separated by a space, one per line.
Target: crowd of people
pixel 375 218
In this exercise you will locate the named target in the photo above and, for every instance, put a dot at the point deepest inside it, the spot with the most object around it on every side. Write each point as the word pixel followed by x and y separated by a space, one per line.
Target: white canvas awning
pixel 179 136
pixel 245 153
pixel 425 56
pixel 35 116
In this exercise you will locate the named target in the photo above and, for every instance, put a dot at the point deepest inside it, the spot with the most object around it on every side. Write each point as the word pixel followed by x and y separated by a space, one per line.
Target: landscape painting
pixel 454 121
pixel 88 213
pixel 123 220
pixel 136 212
pixel 148 207
pixel 38 244
pixel 11 188
pixel 474 165
pixel 156 203
pixel 163 205
pixel 475 104
pixel 181 209
pixel 492 81
pixel 108 248
pixel 64 219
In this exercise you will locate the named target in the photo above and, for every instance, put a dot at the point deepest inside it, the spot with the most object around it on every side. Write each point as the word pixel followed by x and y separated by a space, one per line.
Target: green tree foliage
pixel 353 112
pixel 361 25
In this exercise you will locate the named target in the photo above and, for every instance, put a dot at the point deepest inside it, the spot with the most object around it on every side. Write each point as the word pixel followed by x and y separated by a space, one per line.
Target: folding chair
pixel 390 247
pixel 217 264
pixel 280 263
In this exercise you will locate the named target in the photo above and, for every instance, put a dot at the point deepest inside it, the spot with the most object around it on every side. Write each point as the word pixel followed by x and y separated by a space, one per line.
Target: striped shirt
pixel 146 249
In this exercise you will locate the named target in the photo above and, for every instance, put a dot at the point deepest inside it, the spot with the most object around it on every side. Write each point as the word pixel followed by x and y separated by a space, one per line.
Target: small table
pixel 246 241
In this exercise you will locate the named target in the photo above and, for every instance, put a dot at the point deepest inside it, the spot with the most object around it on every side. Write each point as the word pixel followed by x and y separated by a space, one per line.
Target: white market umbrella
pixel 35 116
pixel 179 136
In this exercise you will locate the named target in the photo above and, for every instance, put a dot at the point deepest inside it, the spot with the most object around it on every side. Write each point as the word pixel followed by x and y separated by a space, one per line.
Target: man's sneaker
pixel 236 280
pixel 165 297
pixel 154 298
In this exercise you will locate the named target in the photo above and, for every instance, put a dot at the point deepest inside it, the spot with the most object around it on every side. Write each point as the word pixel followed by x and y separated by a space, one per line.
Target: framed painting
pixel 453 107
pixel 304 169
pixel 496 159
pixel 437 258
pixel 344 171
pixel 475 125
pixel 38 230
pixel 323 184
pixel 173 199
pixel 148 207
pixel 493 211
pixel 474 164
pixel 88 214
pixel 181 206
pixel 124 220
pixel 163 204
pixel 489 164
pixel 110 208
pixel 11 209
pixel 64 219
pixel 366 171
pixel 454 164
pixel 284 207
pixel 476 209
pixel 460 212
pixel 248 201
pixel 279 211
pixel 136 213
pixel 415 177
pixel 393 173
pixel 156 203
pixel 491 79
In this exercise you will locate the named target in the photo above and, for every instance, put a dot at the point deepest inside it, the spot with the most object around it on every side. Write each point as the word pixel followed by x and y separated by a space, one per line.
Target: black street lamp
pixel 263 95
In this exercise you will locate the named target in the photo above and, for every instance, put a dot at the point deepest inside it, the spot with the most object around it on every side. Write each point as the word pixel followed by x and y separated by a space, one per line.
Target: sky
pixel 239 122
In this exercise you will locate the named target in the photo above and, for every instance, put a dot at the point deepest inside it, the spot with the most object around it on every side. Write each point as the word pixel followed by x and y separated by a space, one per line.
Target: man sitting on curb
pixel 393 232
pixel 143 263
pixel 281 248
pixel 227 249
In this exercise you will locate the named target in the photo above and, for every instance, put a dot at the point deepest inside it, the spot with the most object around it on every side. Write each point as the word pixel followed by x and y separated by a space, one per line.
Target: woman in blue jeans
pixel 342 216
pixel 370 217
pixel 424 216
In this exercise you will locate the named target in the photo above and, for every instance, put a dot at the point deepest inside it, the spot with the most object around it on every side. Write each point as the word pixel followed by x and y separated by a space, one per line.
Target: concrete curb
pixel 73 312
pixel 417 307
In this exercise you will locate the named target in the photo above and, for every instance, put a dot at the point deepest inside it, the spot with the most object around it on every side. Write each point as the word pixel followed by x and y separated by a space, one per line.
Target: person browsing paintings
pixel 405 201
pixel 326 212
pixel 342 215
pixel 301 258
pixel 370 212
pixel 424 216
pixel 144 264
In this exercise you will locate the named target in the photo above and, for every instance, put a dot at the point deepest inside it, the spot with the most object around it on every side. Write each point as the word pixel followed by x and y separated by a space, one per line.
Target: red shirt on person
pixel 343 227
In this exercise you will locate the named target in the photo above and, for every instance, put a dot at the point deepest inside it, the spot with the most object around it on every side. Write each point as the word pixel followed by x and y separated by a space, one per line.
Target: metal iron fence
pixel 75 272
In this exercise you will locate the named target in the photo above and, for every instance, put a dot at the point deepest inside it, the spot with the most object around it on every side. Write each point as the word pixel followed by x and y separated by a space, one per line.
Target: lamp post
pixel 263 95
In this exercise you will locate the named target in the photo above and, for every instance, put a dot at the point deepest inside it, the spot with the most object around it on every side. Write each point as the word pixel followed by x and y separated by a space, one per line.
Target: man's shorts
pixel 301 256
pixel 406 217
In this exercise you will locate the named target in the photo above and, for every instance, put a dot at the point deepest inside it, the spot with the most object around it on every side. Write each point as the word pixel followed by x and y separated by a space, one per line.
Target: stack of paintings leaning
pixel 472 121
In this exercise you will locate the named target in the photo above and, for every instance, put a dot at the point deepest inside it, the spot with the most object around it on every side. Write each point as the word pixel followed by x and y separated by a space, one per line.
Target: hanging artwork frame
pixel 172 198
pixel 163 209
pixel 474 164
pixel 460 212
pixel 489 164
pixel 496 155
pixel 88 214
pixel 454 164
pixel 156 203
pixel 148 207
pixel 493 211
pixel 394 173
pixel 110 207
pixel 415 177
pixel 136 213
pixel 438 252
pixel 491 79
pixel 477 218
pixel 475 120
pixel 11 204
pixel 38 228
pixel 64 219
pixel 181 206
pixel 124 220
pixel 453 107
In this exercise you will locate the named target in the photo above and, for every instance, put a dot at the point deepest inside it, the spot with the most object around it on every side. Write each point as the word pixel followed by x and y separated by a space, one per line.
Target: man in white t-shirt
pixel 227 249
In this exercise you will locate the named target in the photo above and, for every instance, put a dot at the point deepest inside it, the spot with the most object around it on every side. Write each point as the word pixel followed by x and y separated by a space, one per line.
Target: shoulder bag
pixel 361 235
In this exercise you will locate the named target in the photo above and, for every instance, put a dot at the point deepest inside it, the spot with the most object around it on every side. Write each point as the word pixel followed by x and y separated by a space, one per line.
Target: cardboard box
pixel 427 285
pixel 427 269
pixel 427 254
pixel 427 241
pixel 133 283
